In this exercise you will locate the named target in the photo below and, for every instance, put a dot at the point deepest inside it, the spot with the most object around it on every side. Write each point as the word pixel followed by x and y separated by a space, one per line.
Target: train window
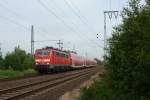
pixel 67 56
pixel 42 52
pixel 57 53
pixel 62 55
pixel 38 53
pixel 45 53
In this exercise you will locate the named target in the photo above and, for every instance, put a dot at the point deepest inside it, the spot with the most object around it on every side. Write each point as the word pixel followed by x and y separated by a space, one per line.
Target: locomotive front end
pixel 42 60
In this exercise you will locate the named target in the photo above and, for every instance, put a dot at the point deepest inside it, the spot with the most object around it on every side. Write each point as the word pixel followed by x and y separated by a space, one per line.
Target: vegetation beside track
pixel 15 64
pixel 127 63
pixel 17 60
pixel 12 73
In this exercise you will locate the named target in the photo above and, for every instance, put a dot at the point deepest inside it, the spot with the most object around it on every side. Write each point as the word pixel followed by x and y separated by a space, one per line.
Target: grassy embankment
pixel 11 73
pixel 98 90
pixel 94 92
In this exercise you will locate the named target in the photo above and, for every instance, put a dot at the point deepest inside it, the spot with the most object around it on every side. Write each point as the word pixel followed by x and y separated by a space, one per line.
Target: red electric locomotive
pixel 50 59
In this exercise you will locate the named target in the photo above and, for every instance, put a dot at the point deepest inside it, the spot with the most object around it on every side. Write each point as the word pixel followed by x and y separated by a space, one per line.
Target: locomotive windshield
pixel 42 52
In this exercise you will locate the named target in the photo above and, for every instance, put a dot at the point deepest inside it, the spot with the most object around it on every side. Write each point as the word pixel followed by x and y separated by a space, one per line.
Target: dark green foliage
pixel 18 60
pixel 28 62
pixel 99 62
pixel 128 64
pixel 100 90
pixel 1 62
pixel 128 60
pixel 148 2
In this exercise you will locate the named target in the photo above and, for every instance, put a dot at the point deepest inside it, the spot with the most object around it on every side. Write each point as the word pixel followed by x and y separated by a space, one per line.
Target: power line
pixel 73 24
pixel 14 22
pixel 60 43
pixel 10 10
pixel 10 20
pixel 78 15
pixel 45 41
pixel 109 4
pixel 63 21
pixel 54 14
pixel 83 17
pixel 22 18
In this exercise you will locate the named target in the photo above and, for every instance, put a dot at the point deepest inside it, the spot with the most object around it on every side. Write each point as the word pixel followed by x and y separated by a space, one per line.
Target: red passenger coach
pixel 50 59
pixel 77 61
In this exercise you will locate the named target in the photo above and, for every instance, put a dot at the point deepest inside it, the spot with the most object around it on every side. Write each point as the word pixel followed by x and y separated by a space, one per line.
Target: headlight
pixel 38 60
pixel 46 60
pixel 48 63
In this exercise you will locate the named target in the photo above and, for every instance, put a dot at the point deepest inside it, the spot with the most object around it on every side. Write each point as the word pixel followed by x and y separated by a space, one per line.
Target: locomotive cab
pixel 42 59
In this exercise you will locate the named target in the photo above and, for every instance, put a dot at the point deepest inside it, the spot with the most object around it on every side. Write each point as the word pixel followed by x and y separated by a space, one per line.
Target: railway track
pixel 26 89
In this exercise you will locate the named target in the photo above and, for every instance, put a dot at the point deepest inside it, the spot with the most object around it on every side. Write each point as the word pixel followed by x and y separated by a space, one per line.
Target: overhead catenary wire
pixel 16 15
pixel 78 15
pixel 45 40
pixel 109 4
pixel 75 26
pixel 55 15
pixel 13 12
pixel 51 12
pixel 20 24
pixel 10 10
pixel 22 18
pixel 82 16
pixel 14 22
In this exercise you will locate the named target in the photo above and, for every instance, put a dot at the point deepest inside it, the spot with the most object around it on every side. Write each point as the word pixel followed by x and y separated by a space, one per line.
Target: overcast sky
pixel 75 22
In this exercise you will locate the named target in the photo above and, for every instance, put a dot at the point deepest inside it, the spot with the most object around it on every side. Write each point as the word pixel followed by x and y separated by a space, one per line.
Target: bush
pixel 18 60
pixel 1 62
pixel 128 60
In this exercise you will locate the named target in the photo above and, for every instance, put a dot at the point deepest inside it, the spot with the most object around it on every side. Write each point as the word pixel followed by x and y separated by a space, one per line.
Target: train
pixel 50 60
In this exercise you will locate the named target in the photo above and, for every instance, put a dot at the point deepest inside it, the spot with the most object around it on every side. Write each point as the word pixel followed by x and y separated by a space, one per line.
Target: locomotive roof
pixel 58 50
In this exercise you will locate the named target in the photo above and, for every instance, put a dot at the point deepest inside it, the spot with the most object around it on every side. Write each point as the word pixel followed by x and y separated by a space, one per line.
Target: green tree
pixel 99 62
pixel 1 62
pixel 129 55
pixel 128 60
pixel 18 60
pixel 28 62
